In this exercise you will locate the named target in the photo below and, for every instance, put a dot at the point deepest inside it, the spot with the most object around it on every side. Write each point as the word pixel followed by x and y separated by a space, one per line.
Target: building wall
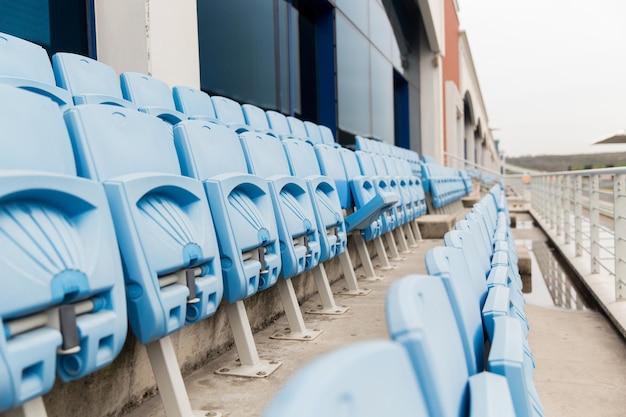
pixel 478 137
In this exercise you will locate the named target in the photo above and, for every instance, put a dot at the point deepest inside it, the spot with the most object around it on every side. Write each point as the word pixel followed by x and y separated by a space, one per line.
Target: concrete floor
pixel 581 360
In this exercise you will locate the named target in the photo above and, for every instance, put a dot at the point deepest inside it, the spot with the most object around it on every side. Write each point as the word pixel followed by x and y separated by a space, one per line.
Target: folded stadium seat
pixel 62 304
pixel 452 265
pixel 469 236
pixel 229 112
pixel 88 81
pixel 246 227
pixel 194 103
pixel 151 96
pixel 313 132
pixel 279 125
pixel 385 167
pixel 329 215
pixel 394 221
pixel 164 227
pixel 362 144
pixel 328 138
pixel 297 216
pixel 26 65
pixel 402 169
pixel 366 379
pixel 444 186
pixel 359 198
pixel 420 317
pixel 297 128
pixel 293 205
pixel 467 181
pixel 256 118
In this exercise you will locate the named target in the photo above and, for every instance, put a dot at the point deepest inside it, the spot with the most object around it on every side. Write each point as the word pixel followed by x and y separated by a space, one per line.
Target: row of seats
pixel 110 220
pixel 89 81
pixel 444 185
pixel 438 361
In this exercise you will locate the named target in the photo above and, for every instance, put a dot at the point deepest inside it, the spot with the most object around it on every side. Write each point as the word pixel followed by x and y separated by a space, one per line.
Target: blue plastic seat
pixel 382 184
pixel 293 203
pixel 368 379
pixel 256 118
pixel 328 138
pixel 297 128
pixel 450 266
pixel 279 125
pixel 26 65
pixel 328 211
pixel 369 205
pixel 164 226
pixel 194 103
pixel 151 96
pixel 508 358
pixel 88 81
pixel 229 112
pixel 420 317
pixel 360 186
pixel 241 205
pixel 62 304
pixel 313 132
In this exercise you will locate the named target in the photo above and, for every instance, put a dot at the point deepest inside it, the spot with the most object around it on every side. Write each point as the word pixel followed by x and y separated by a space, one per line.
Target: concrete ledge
pixel 524 264
pixel 517 204
pixel 434 226
pixel 468 202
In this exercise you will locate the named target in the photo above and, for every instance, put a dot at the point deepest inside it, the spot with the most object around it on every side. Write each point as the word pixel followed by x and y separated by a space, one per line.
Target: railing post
pixel 567 202
pixel 558 206
pixel 578 214
pixel 619 217
pixel 551 201
pixel 594 219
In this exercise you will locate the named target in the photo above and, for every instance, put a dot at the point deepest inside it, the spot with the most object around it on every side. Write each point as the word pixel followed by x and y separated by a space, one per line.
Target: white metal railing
pixel 587 207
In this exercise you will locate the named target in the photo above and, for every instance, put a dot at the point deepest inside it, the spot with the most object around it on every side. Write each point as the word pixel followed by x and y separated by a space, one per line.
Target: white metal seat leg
pixel 352 286
pixel 32 408
pixel 249 363
pixel 297 328
pixel 169 379
pixel 328 305
pixel 366 261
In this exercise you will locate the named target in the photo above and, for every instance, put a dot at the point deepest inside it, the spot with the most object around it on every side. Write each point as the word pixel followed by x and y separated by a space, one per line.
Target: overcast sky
pixel 552 72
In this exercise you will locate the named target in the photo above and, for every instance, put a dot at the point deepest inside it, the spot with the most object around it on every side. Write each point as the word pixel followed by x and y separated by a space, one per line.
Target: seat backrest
pixel 193 102
pixel 379 163
pixel 420 318
pixel 278 123
pixel 255 117
pixel 331 165
pixel 366 163
pixel 84 77
pixel 162 219
pixel 313 132
pixel 59 254
pixel 302 159
pixel 366 379
pixel 265 155
pixel 361 143
pixel 327 135
pixel 120 142
pixel 450 265
pixel 478 267
pixel 26 65
pixel 228 111
pixel 241 204
pixel 297 128
pixel 146 91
